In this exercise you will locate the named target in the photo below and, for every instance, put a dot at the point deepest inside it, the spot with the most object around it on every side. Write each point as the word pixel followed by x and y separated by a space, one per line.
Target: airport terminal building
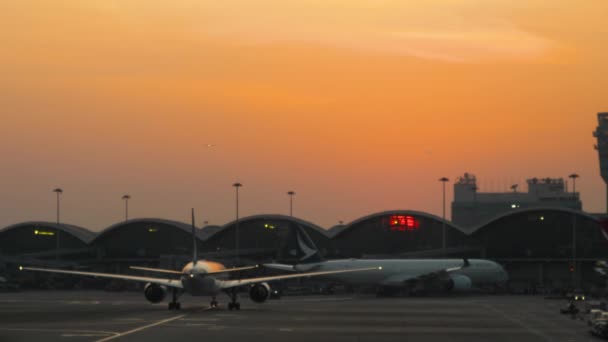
pixel 542 248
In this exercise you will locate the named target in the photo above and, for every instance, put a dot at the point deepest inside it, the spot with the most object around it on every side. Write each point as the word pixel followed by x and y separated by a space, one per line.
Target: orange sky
pixel 358 106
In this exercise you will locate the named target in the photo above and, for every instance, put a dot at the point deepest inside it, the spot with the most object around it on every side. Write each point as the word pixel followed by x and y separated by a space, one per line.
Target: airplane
pixel 601 267
pixel 412 275
pixel 200 278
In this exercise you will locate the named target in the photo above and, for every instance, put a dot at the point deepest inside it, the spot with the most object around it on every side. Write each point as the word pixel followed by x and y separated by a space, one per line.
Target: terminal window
pixel 403 223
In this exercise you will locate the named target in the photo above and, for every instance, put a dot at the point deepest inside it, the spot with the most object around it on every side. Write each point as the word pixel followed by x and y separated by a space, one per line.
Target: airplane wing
pixel 226 284
pixel 281 267
pixel 399 279
pixel 162 270
pixel 236 269
pixel 160 281
pixel 159 270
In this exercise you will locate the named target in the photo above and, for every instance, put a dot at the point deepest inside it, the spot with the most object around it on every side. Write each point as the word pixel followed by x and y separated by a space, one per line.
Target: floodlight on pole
pixel 236 186
pixel 443 180
pixel 57 191
pixel 574 176
pixel 126 198
pixel 291 193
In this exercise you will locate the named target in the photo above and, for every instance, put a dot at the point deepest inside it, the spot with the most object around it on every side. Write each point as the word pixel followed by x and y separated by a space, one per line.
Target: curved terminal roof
pixel 469 231
pixel 333 231
pixel 542 233
pixel 399 212
pixel 179 225
pixel 488 224
pixel 278 217
pixel 207 231
pixel 80 233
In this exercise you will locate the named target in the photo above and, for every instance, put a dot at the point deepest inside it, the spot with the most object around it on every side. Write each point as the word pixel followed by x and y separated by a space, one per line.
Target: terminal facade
pixel 543 249
pixel 471 208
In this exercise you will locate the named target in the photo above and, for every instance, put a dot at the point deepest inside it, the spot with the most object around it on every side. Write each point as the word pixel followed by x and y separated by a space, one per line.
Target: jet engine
pixel 259 293
pixel 155 293
pixel 459 282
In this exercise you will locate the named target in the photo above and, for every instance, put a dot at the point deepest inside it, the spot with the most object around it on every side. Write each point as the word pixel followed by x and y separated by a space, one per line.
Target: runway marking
pixel 65 331
pixel 201 319
pixel 83 335
pixel 129 319
pixel 164 321
pixel 208 325
pixel 76 302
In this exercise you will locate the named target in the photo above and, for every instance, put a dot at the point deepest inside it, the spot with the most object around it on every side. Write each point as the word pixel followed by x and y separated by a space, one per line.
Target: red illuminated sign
pixel 402 223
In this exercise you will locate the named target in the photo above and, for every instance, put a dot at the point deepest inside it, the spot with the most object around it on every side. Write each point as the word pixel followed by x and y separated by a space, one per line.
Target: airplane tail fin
pixel 194 245
pixel 297 246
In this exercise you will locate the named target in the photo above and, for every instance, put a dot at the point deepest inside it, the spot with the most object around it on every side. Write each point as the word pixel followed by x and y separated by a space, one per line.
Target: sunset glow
pixel 357 106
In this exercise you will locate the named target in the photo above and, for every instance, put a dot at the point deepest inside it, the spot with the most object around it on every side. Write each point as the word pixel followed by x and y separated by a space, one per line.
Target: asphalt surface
pixel 105 316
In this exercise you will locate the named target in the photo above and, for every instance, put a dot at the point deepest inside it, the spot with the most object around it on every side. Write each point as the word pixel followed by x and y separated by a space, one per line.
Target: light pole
pixel 291 193
pixel 443 180
pixel 126 199
pixel 57 191
pixel 236 186
pixel 574 176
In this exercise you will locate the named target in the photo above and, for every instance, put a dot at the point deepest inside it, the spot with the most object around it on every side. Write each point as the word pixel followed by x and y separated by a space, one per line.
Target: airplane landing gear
pixel 213 303
pixel 174 304
pixel 233 300
pixel 235 306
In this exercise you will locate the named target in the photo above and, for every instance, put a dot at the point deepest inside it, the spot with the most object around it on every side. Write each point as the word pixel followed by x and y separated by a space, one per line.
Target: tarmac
pixel 127 316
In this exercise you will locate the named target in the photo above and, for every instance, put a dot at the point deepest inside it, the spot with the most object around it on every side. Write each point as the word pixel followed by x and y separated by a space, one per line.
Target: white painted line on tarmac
pixel 208 325
pixel 164 321
pixel 84 335
pixel 64 331
pixel 200 319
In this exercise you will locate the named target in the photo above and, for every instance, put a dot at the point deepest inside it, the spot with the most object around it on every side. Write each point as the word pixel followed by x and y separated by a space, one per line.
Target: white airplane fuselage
pixel 394 272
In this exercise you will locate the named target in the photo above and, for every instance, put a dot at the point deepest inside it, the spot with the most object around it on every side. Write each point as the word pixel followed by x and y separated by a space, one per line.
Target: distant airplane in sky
pixel 201 278
pixel 411 275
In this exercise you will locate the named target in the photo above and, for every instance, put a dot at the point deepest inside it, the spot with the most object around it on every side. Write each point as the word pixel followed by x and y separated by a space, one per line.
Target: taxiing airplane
pixel 201 278
pixel 411 275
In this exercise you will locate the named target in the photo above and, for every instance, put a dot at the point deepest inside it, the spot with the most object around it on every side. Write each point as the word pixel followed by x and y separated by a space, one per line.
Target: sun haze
pixel 357 106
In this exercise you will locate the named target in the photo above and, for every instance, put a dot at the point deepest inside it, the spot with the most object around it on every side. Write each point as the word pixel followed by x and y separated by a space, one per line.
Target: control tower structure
pixel 601 133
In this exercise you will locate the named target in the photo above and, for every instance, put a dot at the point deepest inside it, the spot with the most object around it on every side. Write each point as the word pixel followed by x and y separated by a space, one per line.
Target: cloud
pixel 448 30
pixel 470 45
pixel 442 30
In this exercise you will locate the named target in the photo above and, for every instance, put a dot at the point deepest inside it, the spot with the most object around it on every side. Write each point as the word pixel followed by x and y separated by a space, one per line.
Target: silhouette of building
pixel 472 208
pixel 601 133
